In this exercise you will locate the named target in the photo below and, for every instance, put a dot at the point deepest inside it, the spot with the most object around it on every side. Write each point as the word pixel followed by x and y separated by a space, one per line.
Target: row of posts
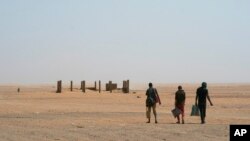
pixel 109 86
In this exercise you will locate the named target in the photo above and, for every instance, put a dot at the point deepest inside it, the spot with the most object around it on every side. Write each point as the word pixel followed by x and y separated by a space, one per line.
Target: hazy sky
pixel 141 40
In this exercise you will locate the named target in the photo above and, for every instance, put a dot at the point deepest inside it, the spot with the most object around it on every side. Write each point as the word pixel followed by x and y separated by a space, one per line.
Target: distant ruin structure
pixel 125 87
pixel 59 86
pixel 71 86
pixel 83 86
pixel 111 86
pixel 99 86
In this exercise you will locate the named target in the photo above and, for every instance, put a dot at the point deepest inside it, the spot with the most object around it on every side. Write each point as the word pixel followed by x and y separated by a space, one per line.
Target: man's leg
pixel 182 114
pixel 202 113
pixel 182 118
pixel 178 116
pixel 148 113
pixel 178 119
pixel 155 114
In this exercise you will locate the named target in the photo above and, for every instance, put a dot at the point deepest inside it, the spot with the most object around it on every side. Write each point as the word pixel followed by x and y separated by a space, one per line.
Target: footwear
pixel 178 122
pixel 156 122
pixel 148 122
pixel 183 122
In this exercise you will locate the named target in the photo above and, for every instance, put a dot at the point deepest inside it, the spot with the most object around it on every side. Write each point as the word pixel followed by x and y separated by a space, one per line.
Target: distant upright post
pixel 99 86
pixel 59 86
pixel 124 86
pixel 71 86
pixel 110 86
pixel 83 86
pixel 95 86
pixel 127 86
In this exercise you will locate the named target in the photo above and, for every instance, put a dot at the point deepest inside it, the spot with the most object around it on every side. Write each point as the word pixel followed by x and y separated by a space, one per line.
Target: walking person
pixel 152 99
pixel 202 96
pixel 180 98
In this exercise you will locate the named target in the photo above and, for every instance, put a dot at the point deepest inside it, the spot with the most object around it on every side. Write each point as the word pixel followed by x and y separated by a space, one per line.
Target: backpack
pixel 150 101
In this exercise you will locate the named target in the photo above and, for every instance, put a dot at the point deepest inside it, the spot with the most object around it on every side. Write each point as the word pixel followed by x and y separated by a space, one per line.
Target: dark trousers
pixel 202 108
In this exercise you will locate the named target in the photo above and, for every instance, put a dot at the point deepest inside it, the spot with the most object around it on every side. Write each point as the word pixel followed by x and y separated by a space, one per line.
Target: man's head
pixel 150 84
pixel 204 84
pixel 179 87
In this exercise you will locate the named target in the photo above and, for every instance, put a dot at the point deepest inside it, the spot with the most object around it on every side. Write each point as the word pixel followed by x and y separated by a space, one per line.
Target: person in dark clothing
pixel 202 96
pixel 152 93
pixel 180 98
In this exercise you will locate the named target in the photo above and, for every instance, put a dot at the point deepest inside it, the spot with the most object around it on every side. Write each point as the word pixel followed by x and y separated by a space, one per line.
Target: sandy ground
pixel 37 113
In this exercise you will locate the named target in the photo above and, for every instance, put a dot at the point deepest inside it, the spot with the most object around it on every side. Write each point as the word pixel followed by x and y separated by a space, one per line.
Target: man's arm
pixel 184 97
pixel 157 95
pixel 209 99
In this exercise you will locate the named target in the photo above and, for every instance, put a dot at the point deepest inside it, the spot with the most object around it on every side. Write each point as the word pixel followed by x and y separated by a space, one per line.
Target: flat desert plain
pixel 37 113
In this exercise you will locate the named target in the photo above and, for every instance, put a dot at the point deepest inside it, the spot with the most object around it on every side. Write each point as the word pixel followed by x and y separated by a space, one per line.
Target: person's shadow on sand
pixel 178 123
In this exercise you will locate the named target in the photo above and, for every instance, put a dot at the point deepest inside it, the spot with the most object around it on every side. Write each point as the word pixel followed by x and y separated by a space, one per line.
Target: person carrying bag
pixel 152 99
pixel 180 98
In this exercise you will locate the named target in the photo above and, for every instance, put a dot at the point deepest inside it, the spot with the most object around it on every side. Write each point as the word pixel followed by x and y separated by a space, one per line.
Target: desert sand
pixel 37 113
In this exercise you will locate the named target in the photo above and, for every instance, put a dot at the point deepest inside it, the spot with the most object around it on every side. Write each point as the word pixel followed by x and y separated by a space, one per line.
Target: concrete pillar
pixel 127 86
pixel 110 86
pixel 95 86
pixel 124 86
pixel 99 86
pixel 83 86
pixel 59 86
pixel 71 86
